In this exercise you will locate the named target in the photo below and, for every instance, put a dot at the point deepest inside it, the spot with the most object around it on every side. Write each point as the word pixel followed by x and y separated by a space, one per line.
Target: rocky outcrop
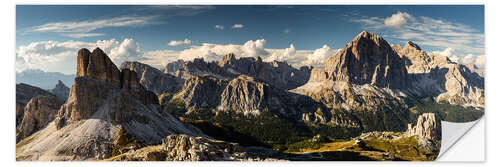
pixel 368 59
pixel 426 127
pixel 97 65
pixel 24 93
pixel 60 90
pixel 318 75
pixel 153 79
pixel 427 130
pixel 39 111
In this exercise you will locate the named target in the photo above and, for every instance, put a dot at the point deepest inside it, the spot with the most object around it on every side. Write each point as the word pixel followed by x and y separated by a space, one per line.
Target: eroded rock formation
pixel 426 127
pixel 39 111
pixel 24 93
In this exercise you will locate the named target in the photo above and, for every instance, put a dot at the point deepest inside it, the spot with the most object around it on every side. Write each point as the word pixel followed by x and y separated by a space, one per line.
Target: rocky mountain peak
pixel 97 65
pixel 98 79
pixel 229 58
pixel 60 84
pixel 365 35
pixel 368 59
pixel 60 90
pixel 410 44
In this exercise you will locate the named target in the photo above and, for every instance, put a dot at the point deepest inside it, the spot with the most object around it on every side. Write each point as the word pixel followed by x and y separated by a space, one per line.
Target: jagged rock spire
pixel 97 65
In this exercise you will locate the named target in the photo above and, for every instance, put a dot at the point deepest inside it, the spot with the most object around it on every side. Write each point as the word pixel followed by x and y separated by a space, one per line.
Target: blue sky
pixel 296 34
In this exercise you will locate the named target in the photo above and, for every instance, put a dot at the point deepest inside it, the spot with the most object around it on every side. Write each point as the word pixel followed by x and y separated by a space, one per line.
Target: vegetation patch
pixel 445 111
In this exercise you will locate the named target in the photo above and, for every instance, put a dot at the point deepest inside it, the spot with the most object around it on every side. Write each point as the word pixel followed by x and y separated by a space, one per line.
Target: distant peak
pixel 229 56
pixel 59 82
pixel 97 50
pixel 413 45
pixel 228 59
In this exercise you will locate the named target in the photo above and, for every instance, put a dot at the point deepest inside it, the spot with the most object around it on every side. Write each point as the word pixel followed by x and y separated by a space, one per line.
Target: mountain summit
pixel 367 59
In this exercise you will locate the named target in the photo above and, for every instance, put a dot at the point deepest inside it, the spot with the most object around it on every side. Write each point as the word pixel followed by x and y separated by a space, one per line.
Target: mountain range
pixel 247 109
pixel 43 79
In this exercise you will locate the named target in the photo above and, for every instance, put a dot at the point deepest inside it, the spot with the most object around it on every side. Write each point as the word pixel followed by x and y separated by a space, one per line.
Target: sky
pixel 48 37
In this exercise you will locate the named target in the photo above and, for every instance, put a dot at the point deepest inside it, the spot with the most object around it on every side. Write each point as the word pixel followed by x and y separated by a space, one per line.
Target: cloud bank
pixel 478 61
pixel 55 56
pixel 177 43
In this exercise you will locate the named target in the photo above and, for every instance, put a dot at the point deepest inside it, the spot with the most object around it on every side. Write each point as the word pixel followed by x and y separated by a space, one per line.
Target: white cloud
pixel 79 29
pixel 220 27
pixel 287 54
pixel 82 35
pixel 425 31
pixel 397 20
pixel 478 60
pixel 468 59
pixel 61 56
pixel 254 48
pixel 128 50
pixel 237 26
pixel 176 43
pixel 54 56
pixel 319 56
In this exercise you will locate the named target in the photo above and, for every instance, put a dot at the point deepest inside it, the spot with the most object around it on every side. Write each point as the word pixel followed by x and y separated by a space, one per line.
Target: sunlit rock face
pixel 368 59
